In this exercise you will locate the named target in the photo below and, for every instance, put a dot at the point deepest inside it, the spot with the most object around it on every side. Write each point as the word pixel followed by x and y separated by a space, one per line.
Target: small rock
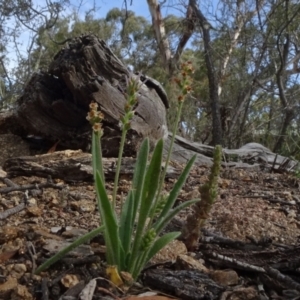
pixel 55 229
pixel 54 246
pixel 19 270
pixel 185 262
pixel 14 245
pixel 287 195
pixel 74 232
pixel 225 277
pixel 8 233
pixel 292 214
pixel 34 211
pixel 248 293
pixel 10 284
pixel 32 202
pixel 3 174
pixel 169 252
pixel 83 206
pixel 69 280
pixel 21 292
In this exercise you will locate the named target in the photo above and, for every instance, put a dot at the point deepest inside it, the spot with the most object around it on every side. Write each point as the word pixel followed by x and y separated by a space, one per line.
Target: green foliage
pixel 133 237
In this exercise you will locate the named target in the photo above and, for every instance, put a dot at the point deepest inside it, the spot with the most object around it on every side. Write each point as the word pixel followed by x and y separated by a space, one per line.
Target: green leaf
pixel 148 195
pixel 162 242
pixel 126 222
pixel 163 222
pixel 177 188
pixel 156 247
pixel 97 155
pixel 81 240
pixel 109 220
pixel 152 180
pixel 139 174
pixel 133 200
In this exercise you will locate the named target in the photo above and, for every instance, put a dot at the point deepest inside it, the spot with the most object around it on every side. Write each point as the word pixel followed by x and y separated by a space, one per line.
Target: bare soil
pixel 257 211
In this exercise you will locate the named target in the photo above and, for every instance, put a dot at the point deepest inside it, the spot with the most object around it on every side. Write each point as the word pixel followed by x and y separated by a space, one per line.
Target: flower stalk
pixel 134 236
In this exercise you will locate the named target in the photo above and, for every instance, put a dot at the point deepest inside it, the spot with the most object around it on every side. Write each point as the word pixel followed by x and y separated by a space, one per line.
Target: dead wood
pixel 286 280
pixel 70 166
pixel 55 103
pixel 185 284
pixel 252 156
pixel 11 211
pixel 29 187
pixel 76 165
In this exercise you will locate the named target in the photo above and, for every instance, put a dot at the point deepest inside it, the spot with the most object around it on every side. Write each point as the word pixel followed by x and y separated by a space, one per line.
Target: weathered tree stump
pixel 55 103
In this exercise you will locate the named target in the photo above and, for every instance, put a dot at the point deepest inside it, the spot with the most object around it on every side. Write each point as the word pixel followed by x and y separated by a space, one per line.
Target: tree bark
pixel 168 59
pixel 160 34
pixel 55 103
pixel 212 75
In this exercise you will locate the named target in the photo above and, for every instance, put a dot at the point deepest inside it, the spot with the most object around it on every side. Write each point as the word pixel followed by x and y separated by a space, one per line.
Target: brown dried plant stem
pixel 209 191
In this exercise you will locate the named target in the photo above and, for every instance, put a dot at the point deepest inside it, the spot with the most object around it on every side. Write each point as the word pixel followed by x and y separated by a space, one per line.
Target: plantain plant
pixel 133 237
pixel 208 192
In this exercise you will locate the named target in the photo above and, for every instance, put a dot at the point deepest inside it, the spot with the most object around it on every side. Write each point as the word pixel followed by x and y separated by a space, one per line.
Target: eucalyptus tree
pixel 264 74
pixel 21 22
pixel 197 22
pixel 128 35
pixel 250 50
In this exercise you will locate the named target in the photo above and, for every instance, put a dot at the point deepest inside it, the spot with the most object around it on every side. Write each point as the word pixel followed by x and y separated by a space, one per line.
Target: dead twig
pixel 7 190
pixel 11 211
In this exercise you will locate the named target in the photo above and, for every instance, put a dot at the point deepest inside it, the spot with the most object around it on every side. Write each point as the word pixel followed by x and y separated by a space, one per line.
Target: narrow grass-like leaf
pixel 163 222
pixel 126 224
pixel 119 161
pixel 148 195
pixel 162 242
pixel 109 220
pixel 139 174
pixel 152 180
pixel 97 155
pixel 177 187
pixel 83 239
pixel 132 203
pixel 156 247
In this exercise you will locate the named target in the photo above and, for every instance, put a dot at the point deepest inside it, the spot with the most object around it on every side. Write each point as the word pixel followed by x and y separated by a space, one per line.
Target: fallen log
pixel 77 165
pixel 55 103
pixel 71 166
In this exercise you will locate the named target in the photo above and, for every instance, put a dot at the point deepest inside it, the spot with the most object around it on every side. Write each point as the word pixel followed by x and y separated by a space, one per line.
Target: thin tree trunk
pixel 212 75
pixel 168 59
pixel 289 116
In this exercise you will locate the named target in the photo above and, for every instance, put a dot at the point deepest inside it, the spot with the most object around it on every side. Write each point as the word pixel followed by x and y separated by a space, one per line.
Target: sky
pixel 140 7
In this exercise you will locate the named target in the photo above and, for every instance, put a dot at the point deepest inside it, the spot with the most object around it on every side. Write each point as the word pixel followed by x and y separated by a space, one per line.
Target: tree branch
pixel 160 33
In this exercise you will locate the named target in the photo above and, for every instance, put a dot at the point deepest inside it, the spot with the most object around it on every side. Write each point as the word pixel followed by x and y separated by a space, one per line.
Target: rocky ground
pixel 249 248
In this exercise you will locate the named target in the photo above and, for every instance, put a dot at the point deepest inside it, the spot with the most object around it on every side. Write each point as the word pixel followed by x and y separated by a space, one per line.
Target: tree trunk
pixel 288 117
pixel 212 76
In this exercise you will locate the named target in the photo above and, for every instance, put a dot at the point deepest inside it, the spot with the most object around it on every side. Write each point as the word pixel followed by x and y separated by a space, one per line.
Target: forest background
pixel 246 56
